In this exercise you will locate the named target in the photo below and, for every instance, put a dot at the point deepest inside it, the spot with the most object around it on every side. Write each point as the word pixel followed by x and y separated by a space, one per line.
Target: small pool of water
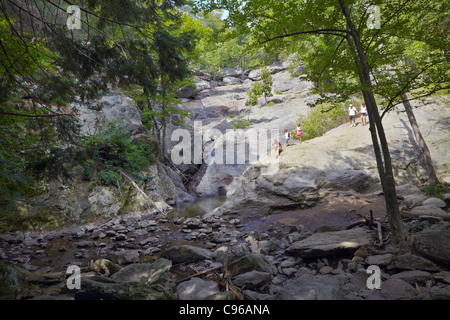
pixel 200 206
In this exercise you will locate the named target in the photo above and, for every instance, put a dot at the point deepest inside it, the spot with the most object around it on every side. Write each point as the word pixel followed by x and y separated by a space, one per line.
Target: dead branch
pixel 146 197
pixel 230 287
pixel 199 274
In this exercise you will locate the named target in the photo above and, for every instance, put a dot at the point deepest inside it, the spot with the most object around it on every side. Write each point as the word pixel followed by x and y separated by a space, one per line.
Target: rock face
pixel 342 160
pixel 80 200
pixel 330 243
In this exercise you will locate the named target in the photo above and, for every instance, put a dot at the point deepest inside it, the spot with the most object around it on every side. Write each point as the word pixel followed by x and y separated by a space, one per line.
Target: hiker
pixel 363 114
pixel 299 132
pixel 287 136
pixel 352 115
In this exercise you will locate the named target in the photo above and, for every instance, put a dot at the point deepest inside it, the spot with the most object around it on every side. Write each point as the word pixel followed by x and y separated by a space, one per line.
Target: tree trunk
pixel 377 132
pixel 432 178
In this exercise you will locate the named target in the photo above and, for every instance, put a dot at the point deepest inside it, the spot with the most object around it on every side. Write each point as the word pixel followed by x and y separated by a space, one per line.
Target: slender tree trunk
pixel 432 178
pixel 377 132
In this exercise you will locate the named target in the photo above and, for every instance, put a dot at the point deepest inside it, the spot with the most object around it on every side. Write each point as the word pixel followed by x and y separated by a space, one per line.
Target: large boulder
pixel 434 243
pixel 332 243
pixel 12 280
pixel 187 91
pixel 253 279
pixel 157 272
pixel 245 262
pixel 186 253
pixel 312 287
pixel 98 288
pixel 197 289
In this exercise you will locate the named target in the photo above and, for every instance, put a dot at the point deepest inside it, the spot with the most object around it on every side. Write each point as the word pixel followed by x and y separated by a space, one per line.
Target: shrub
pixel 321 119
pixel 112 151
pixel 240 123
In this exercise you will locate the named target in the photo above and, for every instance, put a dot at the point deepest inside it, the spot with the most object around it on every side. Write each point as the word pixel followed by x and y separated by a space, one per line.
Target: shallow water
pixel 199 207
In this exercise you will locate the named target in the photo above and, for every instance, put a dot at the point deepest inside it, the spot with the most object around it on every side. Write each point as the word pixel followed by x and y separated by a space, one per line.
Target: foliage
pixel 321 119
pixel 260 88
pixel 123 45
pixel 219 46
pixel 240 123
pixel 436 190
pixel 111 152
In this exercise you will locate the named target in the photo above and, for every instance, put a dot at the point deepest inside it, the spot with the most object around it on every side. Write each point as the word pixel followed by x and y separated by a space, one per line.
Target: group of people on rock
pixel 287 136
pixel 352 113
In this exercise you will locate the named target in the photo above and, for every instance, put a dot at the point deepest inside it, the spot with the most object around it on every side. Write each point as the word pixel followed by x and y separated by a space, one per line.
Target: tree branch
pixel 334 32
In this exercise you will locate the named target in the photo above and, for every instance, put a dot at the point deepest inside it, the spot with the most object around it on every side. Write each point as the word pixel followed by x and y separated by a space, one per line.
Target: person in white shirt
pixel 352 115
pixel 363 114
pixel 287 136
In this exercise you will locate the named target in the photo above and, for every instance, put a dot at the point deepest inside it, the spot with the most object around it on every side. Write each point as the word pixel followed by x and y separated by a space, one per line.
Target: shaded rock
pixel 244 262
pixel 395 289
pixel 434 243
pixel 46 278
pixel 150 273
pixel 331 243
pixel 105 267
pixel 427 210
pixel 310 287
pixel 95 289
pixel 253 279
pixel 197 289
pixel 413 276
pixel 85 244
pixel 411 262
pixel 380 260
pixel 435 202
pixel 12 279
pixel 231 72
pixel 187 91
pixel 125 257
pixel 186 253
pixel 225 295
pixel 231 80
